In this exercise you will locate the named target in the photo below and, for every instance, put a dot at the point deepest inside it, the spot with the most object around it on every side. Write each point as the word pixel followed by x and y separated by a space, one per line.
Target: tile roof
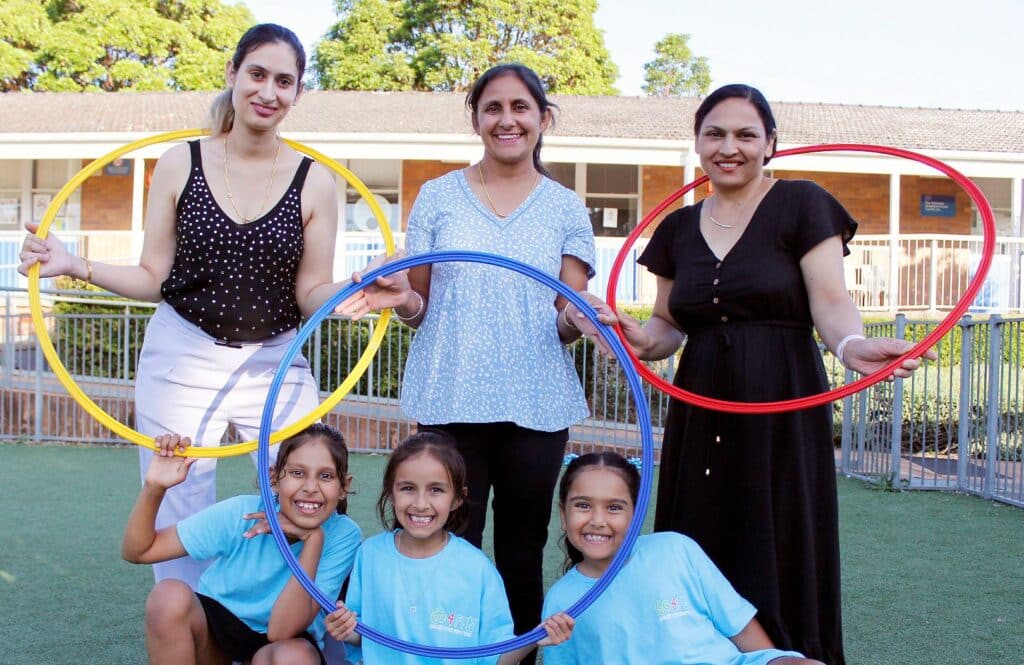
pixel 595 117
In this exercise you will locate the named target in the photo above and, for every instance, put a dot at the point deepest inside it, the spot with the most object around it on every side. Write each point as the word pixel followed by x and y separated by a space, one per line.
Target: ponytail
pixel 221 116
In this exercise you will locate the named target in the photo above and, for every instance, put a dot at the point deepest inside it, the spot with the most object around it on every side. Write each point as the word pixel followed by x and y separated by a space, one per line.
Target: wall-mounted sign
pixel 118 167
pixel 935 205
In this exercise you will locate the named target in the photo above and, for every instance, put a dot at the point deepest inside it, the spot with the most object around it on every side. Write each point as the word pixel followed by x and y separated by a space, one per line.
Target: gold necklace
pixel 483 185
pixel 741 209
pixel 266 195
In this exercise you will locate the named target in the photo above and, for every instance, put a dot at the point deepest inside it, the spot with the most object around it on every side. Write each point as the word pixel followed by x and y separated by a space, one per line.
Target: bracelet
pixel 419 310
pixel 841 346
pixel 565 318
pixel 88 270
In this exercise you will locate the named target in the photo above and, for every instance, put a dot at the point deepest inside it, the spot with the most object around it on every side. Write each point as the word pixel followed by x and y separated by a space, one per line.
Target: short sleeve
pixel 419 236
pixel 354 594
pixel 821 216
pixel 337 556
pixel 727 609
pixel 556 601
pixel 579 234
pixel 659 255
pixel 496 617
pixel 210 533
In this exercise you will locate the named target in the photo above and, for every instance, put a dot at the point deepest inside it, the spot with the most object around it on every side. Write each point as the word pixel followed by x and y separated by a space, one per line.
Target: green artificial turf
pixel 928 577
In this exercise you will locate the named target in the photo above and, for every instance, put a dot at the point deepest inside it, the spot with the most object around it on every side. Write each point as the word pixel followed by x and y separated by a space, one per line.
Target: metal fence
pixel 957 424
pixel 901 273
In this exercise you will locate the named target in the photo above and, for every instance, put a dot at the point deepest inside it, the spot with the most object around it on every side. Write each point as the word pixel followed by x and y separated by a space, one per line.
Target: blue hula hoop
pixel 635 388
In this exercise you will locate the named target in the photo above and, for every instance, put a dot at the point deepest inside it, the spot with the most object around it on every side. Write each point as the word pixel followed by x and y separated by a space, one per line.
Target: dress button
pixel 715 282
pixel 714 300
pixel 725 319
pixel 718 265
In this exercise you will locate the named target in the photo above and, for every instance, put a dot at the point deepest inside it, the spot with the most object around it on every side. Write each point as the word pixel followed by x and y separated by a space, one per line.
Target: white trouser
pixel 188 384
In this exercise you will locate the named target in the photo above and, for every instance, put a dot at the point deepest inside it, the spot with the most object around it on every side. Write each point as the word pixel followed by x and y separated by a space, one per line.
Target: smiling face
pixel 732 144
pixel 423 496
pixel 265 86
pixel 309 486
pixel 509 120
pixel 596 515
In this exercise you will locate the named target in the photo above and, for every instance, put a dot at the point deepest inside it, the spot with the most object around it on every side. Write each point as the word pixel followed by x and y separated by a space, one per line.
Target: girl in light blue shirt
pixel 669 605
pixel 420 582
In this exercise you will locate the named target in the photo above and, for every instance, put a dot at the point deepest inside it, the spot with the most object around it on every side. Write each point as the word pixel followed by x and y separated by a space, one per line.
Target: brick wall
pixel 106 202
pixel 415 172
pixel 866 196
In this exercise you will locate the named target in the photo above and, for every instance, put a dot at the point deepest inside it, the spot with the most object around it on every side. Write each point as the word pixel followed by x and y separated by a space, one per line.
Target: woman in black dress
pixel 747 275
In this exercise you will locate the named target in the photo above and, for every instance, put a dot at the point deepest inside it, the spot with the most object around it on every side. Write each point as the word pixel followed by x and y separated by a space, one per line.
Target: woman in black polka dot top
pixel 239 245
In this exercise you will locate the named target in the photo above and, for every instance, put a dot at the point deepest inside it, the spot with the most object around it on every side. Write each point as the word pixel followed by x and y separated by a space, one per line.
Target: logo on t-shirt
pixel 450 622
pixel 671 608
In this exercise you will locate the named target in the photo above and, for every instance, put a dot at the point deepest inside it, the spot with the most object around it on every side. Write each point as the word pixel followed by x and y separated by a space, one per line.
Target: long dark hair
pixel 606 460
pixel 741 91
pixel 532 82
pixel 441 447
pixel 335 443
pixel 221 116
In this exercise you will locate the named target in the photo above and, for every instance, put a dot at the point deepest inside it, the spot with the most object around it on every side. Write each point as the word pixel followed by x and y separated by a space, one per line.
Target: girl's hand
pixel 390 291
pixel 51 255
pixel 165 470
pixel 262 527
pixel 341 623
pixel 867 356
pixel 559 629
pixel 578 320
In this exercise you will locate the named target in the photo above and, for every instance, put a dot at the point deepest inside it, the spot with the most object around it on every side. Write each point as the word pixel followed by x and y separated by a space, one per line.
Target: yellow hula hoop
pixel 127 432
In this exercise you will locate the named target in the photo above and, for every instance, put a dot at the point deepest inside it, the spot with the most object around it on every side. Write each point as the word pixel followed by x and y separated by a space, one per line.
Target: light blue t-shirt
pixel 669 605
pixel 487 349
pixel 249 573
pixel 453 599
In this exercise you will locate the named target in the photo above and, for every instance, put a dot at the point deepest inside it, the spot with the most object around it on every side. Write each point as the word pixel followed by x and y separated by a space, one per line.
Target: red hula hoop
pixel 988 220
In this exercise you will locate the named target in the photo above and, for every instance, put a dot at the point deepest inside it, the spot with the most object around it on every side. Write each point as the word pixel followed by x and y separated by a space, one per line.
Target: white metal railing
pixel 933 270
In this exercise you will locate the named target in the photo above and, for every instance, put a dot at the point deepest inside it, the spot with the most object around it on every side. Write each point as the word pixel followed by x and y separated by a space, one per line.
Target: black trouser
pixel 522 465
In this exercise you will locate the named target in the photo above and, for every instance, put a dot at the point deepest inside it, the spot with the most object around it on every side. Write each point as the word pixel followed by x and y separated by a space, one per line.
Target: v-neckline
pixel 753 216
pixel 486 210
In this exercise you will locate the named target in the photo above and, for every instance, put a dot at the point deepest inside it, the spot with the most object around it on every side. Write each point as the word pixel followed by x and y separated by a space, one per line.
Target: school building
pixel 918 243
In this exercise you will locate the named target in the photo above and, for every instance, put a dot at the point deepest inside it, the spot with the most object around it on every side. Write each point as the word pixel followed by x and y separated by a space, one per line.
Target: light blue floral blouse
pixel 487 349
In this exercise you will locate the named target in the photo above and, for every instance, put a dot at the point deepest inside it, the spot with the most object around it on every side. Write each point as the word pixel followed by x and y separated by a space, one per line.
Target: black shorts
pixel 237 640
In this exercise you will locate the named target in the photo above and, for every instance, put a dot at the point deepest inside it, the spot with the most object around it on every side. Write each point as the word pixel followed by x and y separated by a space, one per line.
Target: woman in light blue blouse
pixel 489 364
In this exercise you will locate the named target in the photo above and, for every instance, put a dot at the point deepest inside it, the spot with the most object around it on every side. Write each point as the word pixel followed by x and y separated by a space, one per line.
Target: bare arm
pixel 313 281
pixel 142 542
pixel 836 317
pixel 752 638
pixel 295 609
pixel 559 629
pixel 660 337
pixel 138 282
pixel 573 273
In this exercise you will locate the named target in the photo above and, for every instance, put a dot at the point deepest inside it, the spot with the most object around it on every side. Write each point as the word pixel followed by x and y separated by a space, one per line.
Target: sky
pixel 915 53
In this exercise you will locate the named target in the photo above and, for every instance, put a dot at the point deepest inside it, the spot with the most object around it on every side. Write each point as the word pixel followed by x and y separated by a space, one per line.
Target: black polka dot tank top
pixel 236 281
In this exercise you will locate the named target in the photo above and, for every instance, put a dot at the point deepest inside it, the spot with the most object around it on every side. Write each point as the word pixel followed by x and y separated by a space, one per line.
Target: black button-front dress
pixel 758 492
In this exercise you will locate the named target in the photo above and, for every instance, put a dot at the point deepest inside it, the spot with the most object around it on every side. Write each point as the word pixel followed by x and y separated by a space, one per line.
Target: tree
pixel 110 45
pixel 447 44
pixel 676 71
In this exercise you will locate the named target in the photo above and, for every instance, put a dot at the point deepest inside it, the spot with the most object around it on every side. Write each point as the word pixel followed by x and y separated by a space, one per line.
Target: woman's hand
pixel 390 291
pixel 165 470
pixel 580 322
pixel 867 356
pixel 341 623
pixel 51 255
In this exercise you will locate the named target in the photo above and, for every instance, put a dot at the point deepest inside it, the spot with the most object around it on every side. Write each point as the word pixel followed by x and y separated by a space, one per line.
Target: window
pixel 613 198
pixel 382 177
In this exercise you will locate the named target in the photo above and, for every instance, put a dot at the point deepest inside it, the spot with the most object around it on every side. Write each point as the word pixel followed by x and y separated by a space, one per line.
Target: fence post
pixel 995 360
pixel 316 354
pixel 847 433
pixel 126 337
pixel 932 276
pixel 38 419
pixel 10 357
pixel 897 413
pixel 963 434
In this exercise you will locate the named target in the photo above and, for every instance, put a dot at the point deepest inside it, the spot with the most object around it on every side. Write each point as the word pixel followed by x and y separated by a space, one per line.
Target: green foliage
pixel 676 71
pixel 446 44
pixel 112 45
